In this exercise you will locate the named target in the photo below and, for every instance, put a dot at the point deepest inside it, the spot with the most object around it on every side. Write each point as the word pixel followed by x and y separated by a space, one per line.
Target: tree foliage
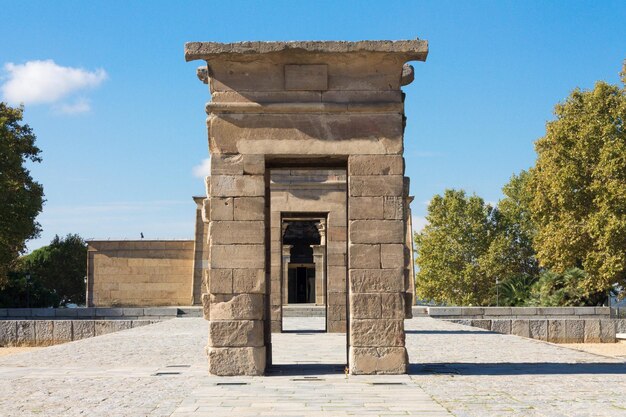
pixel 554 290
pixel 451 250
pixel 61 266
pixel 578 189
pixel 21 198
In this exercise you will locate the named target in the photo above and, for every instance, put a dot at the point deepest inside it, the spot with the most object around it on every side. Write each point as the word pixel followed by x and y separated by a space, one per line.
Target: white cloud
pixel 37 82
pixel 419 223
pixel 204 169
pixel 81 105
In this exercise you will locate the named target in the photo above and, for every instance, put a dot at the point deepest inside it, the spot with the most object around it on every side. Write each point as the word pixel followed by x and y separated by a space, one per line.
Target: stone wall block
pixel 227 164
pixel 220 281
pixel 393 305
pixel 366 208
pixel 392 255
pixel 337 326
pixel 25 333
pixel 520 328
pixel 365 306
pixel 538 329
pixel 221 208
pixel 556 331
pixel 375 186
pixel 502 326
pixel 574 331
pixel 206 210
pixel 393 208
pixel 237 307
pixel 251 281
pixel 83 329
pixel 237 186
pixel 236 333
pixel 8 332
pixel 378 360
pixel 249 208
pixel 376 165
pixel 364 256
pixel 44 332
pixel 607 331
pixel 206 306
pixel 62 331
pixel 237 256
pixel 377 332
pixel 254 164
pixel 592 331
pixel 229 361
pixel 376 280
pixel 482 324
pixel 376 231
pixel 236 232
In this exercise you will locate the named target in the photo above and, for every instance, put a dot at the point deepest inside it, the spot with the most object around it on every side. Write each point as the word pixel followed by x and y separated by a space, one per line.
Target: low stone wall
pixel 52 332
pixel 99 313
pixel 518 312
pixel 554 330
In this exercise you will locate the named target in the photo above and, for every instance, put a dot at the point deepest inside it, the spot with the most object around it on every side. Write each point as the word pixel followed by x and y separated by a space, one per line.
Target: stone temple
pixel 306 202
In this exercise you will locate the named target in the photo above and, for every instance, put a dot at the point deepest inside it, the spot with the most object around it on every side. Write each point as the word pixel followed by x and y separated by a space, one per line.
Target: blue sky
pixel 120 118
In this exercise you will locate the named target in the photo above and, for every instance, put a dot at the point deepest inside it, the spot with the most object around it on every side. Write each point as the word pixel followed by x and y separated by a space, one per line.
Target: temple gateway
pixel 307 203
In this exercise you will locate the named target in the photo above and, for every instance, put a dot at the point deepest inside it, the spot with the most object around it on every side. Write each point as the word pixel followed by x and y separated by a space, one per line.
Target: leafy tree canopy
pixel 21 198
pixel 578 189
pixel 61 266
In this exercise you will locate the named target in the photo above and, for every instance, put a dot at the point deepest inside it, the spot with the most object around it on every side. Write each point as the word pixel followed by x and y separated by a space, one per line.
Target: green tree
pixel 21 198
pixel 578 189
pixel 451 250
pixel 61 266
pixel 555 290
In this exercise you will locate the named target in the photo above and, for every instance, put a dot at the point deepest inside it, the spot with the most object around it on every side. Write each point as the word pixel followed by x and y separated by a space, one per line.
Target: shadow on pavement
pixel 448 332
pixel 521 368
pixel 300 369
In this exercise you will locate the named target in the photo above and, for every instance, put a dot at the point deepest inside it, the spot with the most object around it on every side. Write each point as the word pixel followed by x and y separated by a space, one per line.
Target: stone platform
pixel 455 370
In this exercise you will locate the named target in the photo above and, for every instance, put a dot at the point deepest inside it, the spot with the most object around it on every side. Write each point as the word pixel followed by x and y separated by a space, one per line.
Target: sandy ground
pixel 617 350
pixel 11 350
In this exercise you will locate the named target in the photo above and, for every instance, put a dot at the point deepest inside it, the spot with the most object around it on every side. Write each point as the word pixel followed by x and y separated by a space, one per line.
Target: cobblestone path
pixel 160 370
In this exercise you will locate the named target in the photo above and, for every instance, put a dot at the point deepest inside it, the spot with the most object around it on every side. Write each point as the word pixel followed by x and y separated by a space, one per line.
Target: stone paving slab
pixel 455 370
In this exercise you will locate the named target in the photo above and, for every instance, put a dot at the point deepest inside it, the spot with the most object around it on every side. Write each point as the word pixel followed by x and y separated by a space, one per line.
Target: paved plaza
pixel 161 370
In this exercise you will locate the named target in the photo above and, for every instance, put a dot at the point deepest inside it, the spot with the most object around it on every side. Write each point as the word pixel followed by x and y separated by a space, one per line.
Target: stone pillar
pixel 320 274
pixel 285 272
pixel 236 188
pixel 376 262
pixel 200 258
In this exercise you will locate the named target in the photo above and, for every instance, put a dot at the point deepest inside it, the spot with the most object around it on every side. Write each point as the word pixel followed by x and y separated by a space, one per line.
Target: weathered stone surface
pixel 220 281
pixel 393 306
pixel 365 208
pixel 221 208
pixel 607 331
pixel 376 231
pixel 520 328
pixel 237 256
pixel 249 281
pixel 62 331
pixel 230 361
pixel 25 332
pixel 237 185
pixel 574 331
pixel 44 332
pixel 502 326
pixel 236 333
pixel 393 208
pixel 365 306
pixel 306 77
pixel 592 331
pixel 249 208
pixel 8 332
pixel 376 280
pixel 482 324
pixel 236 232
pixel 392 255
pixel 237 307
pixel 337 326
pixel 206 306
pixel 556 331
pixel 224 164
pixel 378 360
pixel 364 256
pixel 83 329
pixel 376 332
pixel 254 164
pixel 376 165
pixel 373 186
pixel 538 329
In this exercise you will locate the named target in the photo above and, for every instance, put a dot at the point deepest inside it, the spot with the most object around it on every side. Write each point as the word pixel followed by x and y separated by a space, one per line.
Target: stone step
pixel 621 337
pixel 304 310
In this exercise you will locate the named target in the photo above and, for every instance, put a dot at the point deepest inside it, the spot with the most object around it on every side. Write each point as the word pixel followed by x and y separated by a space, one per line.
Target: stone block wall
pixel 140 273
pixel 377 263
